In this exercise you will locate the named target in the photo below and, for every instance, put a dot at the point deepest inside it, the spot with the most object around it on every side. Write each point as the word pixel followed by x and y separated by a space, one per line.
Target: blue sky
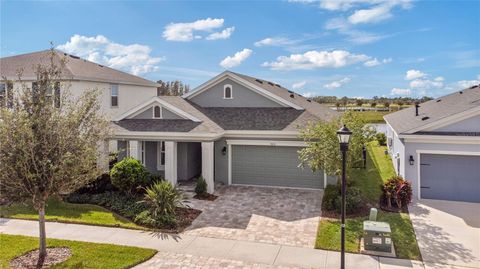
pixel 358 48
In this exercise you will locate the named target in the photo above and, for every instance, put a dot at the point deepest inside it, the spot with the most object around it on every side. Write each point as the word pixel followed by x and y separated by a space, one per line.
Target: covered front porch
pixel 173 160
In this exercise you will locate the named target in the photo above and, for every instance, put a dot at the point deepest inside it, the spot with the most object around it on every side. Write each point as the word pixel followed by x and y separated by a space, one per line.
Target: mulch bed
pixel 207 197
pixel 29 260
pixel 185 216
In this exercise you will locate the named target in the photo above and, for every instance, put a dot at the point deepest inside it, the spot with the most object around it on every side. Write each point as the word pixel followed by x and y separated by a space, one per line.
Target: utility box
pixel 373 214
pixel 377 236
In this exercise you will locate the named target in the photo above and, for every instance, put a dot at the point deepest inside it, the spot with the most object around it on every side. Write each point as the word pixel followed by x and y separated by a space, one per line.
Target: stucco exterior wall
pixel 189 160
pixel 242 97
pixel 129 96
pixel 396 149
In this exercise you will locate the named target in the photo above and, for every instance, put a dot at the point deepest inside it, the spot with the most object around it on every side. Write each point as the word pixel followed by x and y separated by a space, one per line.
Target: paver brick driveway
pixel 268 215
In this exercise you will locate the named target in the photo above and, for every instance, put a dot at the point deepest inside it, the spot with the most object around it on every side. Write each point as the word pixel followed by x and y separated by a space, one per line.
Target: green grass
pixel 84 255
pixel 403 235
pixel 379 170
pixel 373 116
pixel 60 211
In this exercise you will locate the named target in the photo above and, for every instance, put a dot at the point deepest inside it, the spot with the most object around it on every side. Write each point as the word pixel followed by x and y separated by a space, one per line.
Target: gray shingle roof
pixel 155 125
pixel 75 68
pixel 321 111
pixel 251 118
pixel 404 121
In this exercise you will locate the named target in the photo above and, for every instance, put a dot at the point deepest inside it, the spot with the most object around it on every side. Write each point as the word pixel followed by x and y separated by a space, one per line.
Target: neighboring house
pixel 120 91
pixel 436 146
pixel 232 129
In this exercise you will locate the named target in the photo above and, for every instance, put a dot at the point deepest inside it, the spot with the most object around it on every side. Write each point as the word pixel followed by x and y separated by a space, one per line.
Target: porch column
pixel 134 149
pixel 208 164
pixel 103 155
pixel 171 162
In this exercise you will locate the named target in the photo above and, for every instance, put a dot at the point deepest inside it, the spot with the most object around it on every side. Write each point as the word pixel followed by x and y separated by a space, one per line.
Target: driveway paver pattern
pixel 267 215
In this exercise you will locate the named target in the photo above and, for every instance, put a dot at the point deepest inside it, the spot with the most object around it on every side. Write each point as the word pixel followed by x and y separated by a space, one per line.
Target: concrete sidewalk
pixel 199 248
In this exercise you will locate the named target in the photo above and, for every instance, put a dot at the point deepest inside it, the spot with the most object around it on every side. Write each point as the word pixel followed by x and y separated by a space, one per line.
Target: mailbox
pixel 377 236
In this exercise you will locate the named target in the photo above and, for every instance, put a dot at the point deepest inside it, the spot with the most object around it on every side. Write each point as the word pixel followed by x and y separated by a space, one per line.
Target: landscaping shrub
pixel 201 187
pixel 161 198
pixel 129 174
pixel 381 138
pixel 397 192
pixel 332 199
pixel 99 185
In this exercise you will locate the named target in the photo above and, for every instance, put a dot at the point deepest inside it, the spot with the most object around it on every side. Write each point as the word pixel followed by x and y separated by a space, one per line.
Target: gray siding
pixel 450 177
pixel 189 160
pixel 242 97
pixel 469 125
pixel 167 114
pixel 272 166
pixel 221 162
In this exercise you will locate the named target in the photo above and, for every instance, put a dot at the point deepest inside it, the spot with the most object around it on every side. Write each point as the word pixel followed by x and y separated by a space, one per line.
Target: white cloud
pixel 236 59
pixel 275 41
pixel 375 62
pixel 299 85
pixel 463 84
pixel 343 27
pixel 439 79
pixel 308 94
pixel 425 84
pixel 186 31
pixel 316 59
pixel 414 74
pixel 372 15
pixel 337 84
pixel 225 34
pixel 398 91
pixel 133 58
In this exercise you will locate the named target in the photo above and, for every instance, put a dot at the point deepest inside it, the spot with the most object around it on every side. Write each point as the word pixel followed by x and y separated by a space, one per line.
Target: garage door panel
pixel 450 177
pixel 271 166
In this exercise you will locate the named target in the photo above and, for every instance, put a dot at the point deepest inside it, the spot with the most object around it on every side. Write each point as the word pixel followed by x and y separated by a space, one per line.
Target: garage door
pixel 450 177
pixel 271 166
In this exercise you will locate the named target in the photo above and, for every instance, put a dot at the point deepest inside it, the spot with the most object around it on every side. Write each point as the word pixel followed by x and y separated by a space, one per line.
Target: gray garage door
pixel 271 166
pixel 450 177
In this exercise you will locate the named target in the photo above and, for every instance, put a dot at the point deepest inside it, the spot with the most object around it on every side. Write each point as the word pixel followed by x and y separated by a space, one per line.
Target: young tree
pixel 49 149
pixel 323 152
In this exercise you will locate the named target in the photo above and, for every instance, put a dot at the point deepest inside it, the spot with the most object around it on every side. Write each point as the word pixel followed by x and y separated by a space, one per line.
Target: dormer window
pixel 157 112
pixel 227 92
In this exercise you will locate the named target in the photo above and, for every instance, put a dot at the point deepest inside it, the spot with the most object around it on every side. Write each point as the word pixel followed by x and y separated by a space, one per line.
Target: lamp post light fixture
pixel 343 137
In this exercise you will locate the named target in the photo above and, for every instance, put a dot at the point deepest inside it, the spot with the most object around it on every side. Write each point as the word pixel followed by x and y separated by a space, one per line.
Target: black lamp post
pixel 343 138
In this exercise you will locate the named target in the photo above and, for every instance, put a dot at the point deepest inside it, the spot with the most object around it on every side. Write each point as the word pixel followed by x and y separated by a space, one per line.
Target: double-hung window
pixel 114 95
pixel 161 155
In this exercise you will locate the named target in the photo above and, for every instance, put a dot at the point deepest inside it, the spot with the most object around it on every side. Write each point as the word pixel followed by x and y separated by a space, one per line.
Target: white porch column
pixel 208 164
pixel 103 160
pixel 134 149
pixel 171 162
pixel 113 146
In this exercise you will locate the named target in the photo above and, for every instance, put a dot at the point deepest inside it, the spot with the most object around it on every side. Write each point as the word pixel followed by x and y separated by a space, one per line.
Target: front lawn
pixel 84 255
pixel 379 170
pixel 60 211
pixel 403 234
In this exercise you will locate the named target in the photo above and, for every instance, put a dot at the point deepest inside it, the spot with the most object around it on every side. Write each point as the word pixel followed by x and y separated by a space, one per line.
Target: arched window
pixel 157 112
pixel 227 92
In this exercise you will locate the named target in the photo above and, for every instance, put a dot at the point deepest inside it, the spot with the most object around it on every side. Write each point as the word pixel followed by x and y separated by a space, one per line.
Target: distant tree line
pixel 175 88
pixel 373 102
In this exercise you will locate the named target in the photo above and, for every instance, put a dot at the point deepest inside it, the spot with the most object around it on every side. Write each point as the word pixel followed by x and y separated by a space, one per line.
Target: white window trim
pixel 160 167
pixel 225 89
pixel 111 95
pixel 153 112
pixel 143 150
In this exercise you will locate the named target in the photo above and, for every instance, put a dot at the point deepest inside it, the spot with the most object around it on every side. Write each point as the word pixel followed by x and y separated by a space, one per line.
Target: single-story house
pixel 233 129
pixel 436 146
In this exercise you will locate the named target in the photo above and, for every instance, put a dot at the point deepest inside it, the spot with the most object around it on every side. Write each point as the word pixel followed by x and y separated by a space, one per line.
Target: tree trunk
pixel 43 236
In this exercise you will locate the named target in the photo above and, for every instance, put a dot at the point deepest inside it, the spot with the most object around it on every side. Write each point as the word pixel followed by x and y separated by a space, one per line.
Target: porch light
pixel 224 150
pixel 344 136
pixel 411 160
